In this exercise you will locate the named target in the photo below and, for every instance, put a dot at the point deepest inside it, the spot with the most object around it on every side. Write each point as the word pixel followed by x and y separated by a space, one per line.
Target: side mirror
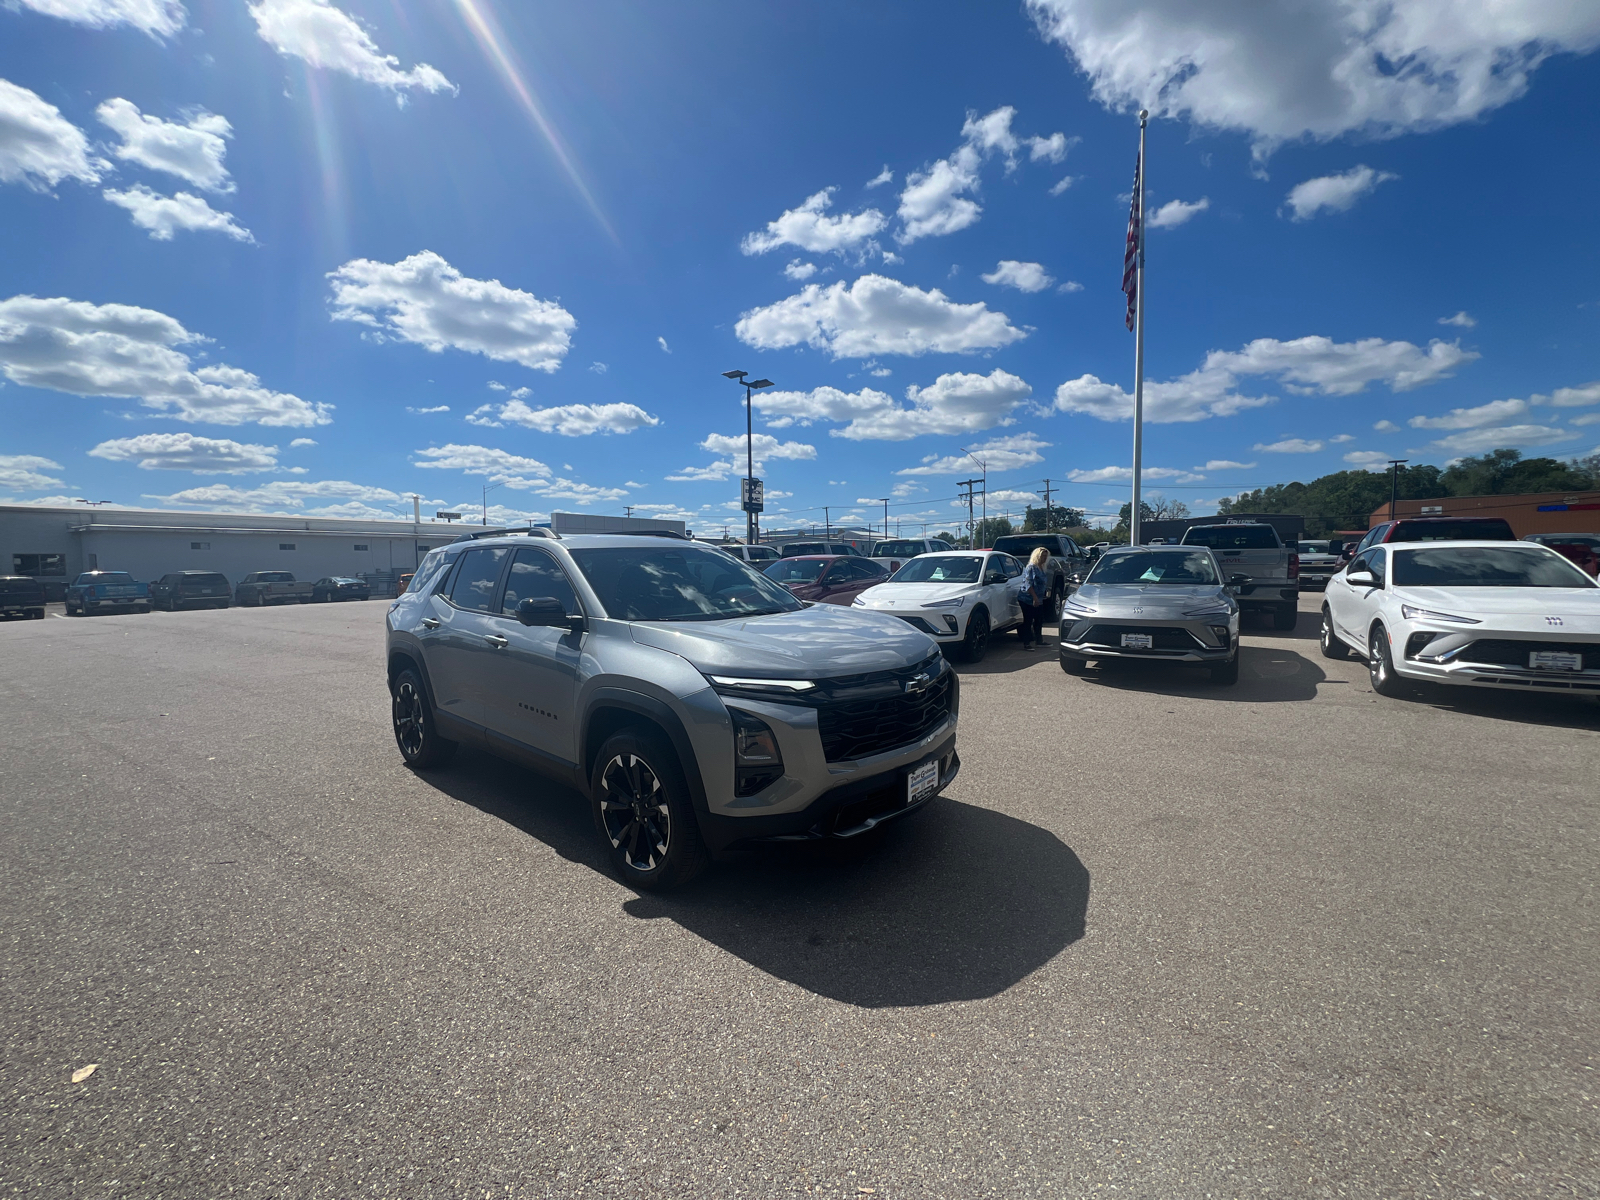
pixel 1361 579
pixel 1075 579
pixel 547 612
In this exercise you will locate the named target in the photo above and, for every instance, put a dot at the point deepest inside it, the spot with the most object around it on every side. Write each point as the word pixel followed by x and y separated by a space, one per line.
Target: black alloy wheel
pixel 1380 665
pixel 415 731
pixel 976 644
pixel 642 810
pixel 1331 644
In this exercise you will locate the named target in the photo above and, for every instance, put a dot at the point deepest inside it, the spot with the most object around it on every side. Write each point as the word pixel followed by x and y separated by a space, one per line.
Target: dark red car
pixel 1433 529
pixel 1582 548
pixel 827 578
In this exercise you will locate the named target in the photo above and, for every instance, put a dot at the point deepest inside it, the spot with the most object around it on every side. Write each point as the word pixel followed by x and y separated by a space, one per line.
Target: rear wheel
pixel 415 731
pixel 976 644
pixel 642 809
pixel 1331 644
pixel 1380 665
pixel 1285 616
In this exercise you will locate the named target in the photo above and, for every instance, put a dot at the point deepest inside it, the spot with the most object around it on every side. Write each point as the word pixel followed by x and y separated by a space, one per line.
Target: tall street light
pixel 1394 482
pixel 985 467
pixel 752 505
pixel 487 488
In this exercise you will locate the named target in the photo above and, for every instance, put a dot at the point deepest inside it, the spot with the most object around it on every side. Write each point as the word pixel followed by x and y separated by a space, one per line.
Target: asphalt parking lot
pixel 1160 939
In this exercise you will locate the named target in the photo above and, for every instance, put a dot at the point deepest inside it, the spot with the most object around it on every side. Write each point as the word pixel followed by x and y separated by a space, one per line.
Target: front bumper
pixel 845 811
pixel 1181 641
pixel 1457 665
pixel 941 624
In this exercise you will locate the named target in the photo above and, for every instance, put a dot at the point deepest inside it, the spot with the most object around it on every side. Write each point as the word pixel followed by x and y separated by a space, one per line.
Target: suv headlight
pixel 1412 613
pixel 1211 610
pixel 953 602
pixel 756 760
pixel 1073 604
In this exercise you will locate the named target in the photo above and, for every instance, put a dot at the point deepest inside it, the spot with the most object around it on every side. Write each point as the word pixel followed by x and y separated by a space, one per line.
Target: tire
pixel 36 614
pixel 1226 674
pixel 976 644
pixel 415 731
pixel 1285 617
pixel 643 813
pixel 1380 666
pixel 1073 665
pixel 1331 644
pixel 144 608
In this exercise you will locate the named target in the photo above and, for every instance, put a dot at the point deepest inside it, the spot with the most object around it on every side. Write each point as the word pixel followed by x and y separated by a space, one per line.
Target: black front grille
pixel 1169 640
pixel 1507 652
pixel 922 623
pixel 861 715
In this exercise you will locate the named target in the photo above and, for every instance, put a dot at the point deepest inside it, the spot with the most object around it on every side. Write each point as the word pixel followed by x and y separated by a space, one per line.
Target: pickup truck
pixel 271 587
pixel 1068 564
pixel 21 596
pixel 102 591
pixel 891 554
pixel 1319 562
pixel 1252 548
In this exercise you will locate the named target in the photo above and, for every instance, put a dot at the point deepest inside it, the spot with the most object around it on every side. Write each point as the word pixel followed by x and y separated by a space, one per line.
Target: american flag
pixel 1131 256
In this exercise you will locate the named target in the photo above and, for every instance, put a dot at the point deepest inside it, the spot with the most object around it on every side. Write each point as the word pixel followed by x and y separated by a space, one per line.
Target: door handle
pixel 495 640
pixel 430 622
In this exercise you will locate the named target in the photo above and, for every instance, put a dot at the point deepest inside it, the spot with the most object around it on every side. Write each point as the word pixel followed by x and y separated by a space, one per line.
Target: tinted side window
pixel 535 574
pixel 475 579
pixel 1378 564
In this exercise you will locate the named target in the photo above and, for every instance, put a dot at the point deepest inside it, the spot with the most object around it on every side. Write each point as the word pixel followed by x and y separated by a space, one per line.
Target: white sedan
pixel 1487 614
pixel 961 597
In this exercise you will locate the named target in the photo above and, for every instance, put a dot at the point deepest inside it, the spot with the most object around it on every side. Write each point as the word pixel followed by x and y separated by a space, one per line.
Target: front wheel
pixel 976 644
pixel 1331 644
pixel 1380 665
pixel 415 731
pixel 1073 665
pixel 1226 673
pixel 641 808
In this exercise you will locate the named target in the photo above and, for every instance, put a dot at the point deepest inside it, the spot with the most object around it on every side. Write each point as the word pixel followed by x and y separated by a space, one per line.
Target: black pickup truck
pixel 21 596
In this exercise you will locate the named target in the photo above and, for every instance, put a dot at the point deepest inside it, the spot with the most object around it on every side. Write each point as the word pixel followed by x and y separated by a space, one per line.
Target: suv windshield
pixel 897 549
pixel 679 584
pixel 1479 529
pixel 1233 537
pixel 1022 545
pixel 1486 566
pixel 944 568
pixel 1154 566
pixel 796 570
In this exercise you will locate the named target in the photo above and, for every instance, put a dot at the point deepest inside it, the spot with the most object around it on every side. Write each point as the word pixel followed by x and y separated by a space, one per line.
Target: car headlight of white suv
pixel 953 602
pixel 1412 613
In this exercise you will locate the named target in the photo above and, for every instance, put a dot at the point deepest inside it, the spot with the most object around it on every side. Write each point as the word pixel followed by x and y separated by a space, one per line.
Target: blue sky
pixel 301 257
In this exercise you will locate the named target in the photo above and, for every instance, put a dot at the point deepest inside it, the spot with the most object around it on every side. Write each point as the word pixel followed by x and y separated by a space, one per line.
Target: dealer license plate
pixel 1137 641
pixel 1554 660
pixel 922 782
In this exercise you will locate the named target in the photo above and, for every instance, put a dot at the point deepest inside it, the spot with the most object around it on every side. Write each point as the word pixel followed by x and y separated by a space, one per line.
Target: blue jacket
pixel 1032 579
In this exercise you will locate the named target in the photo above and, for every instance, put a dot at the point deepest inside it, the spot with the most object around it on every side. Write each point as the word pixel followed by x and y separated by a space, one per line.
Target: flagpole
pixel 1138 350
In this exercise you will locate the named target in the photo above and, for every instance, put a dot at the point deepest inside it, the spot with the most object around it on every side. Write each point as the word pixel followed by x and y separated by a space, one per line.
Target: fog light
pixel 757 762
pixel 1221 632
pixel 1418 642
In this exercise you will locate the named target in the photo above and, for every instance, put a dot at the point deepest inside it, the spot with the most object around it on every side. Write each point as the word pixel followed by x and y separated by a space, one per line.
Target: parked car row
pixel 118 591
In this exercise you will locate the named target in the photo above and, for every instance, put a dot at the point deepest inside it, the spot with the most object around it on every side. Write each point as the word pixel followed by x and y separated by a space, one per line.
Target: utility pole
pixel 1048 524
pixel 885 500
pixel 627 511
pixel 972 529
pixel 827 525
pixel 1136 248
pixel 1394 482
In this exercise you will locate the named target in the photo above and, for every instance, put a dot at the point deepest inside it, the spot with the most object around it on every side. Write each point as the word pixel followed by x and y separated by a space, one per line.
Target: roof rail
pixel 666 533
pixel 529 531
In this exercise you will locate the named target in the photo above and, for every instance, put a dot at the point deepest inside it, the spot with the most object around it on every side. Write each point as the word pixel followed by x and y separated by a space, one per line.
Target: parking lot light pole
pixel 1394 482
pixel 487 488
pixel 985 467
pixel 885 500
pixel 751 525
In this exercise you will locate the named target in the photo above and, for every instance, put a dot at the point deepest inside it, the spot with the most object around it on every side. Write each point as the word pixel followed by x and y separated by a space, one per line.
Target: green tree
pixel 946 536
pixel 1506 472
pixel 1059 517
pixel 990 528
pixel 1342 500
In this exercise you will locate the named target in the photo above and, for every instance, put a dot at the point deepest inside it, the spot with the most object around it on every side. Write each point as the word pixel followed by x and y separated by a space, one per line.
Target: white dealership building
pixel 55 544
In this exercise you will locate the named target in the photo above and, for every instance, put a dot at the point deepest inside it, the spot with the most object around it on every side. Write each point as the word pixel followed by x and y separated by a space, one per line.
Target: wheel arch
pixel 611 710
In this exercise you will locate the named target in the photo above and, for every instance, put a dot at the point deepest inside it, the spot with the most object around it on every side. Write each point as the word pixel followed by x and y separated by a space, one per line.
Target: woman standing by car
pixel 1033 594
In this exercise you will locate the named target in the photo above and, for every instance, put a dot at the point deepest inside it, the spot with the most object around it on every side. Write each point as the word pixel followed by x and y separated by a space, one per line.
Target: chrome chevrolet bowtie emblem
pixel 1554 621
pixel 919 683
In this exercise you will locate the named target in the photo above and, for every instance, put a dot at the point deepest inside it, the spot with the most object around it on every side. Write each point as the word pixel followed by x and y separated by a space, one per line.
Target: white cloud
pixel 1051 149
pixel 882 177
pixel 717 472
pixel 1314 70
pixel 1024 276
pixel 764 446
pixel 570 420
pixel 1070 286
pixel 1366 458
pixel 24 473
pixel 1001 454
pixel 426 301
pixel 165 215
pixel 1387 427
pixel 1576 397
pixel 799 269
pixel 495 385
pixel 480 460
pixel 1291 446
pixel 1175 212
pixel 1062 185
pixel 186 452
pixel 1462 319
pixel 1587 419
pixel 38 146
pixel 1340 439
pixel 599 368
pixel 567 489
pixel 1226 464
pixel 299 442
pixel 937 200
pixel 1305 366
pixel 328 37
pixel 876 315
pixel 953 404
pixel 1476 441
pixel 810 228
pixel 1125 475
pixel 158 18
pixel 1334 193
pixel 292 496
pixel 1492 413
pixel 422 412
pixel 193 150
pixel 901 490
pixel 662 342
pixel 120 350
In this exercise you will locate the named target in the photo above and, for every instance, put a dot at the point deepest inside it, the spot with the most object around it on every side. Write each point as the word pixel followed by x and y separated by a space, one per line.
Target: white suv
pixel 960 597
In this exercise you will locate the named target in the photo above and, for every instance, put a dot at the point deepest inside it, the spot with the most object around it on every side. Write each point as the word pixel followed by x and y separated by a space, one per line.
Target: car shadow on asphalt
pixel 957 902
pixel 1267 675
pixel 1503 704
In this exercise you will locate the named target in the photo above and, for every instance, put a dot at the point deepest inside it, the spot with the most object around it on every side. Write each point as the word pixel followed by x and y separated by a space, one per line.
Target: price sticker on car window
pixel 1554 660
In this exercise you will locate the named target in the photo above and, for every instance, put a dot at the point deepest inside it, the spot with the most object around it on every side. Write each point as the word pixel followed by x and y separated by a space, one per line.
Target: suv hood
pixel 814 643
pixel 912 595
pixel 1156 599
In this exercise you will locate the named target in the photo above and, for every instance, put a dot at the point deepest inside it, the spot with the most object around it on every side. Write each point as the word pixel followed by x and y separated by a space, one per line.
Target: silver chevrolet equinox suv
pixel 698 704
